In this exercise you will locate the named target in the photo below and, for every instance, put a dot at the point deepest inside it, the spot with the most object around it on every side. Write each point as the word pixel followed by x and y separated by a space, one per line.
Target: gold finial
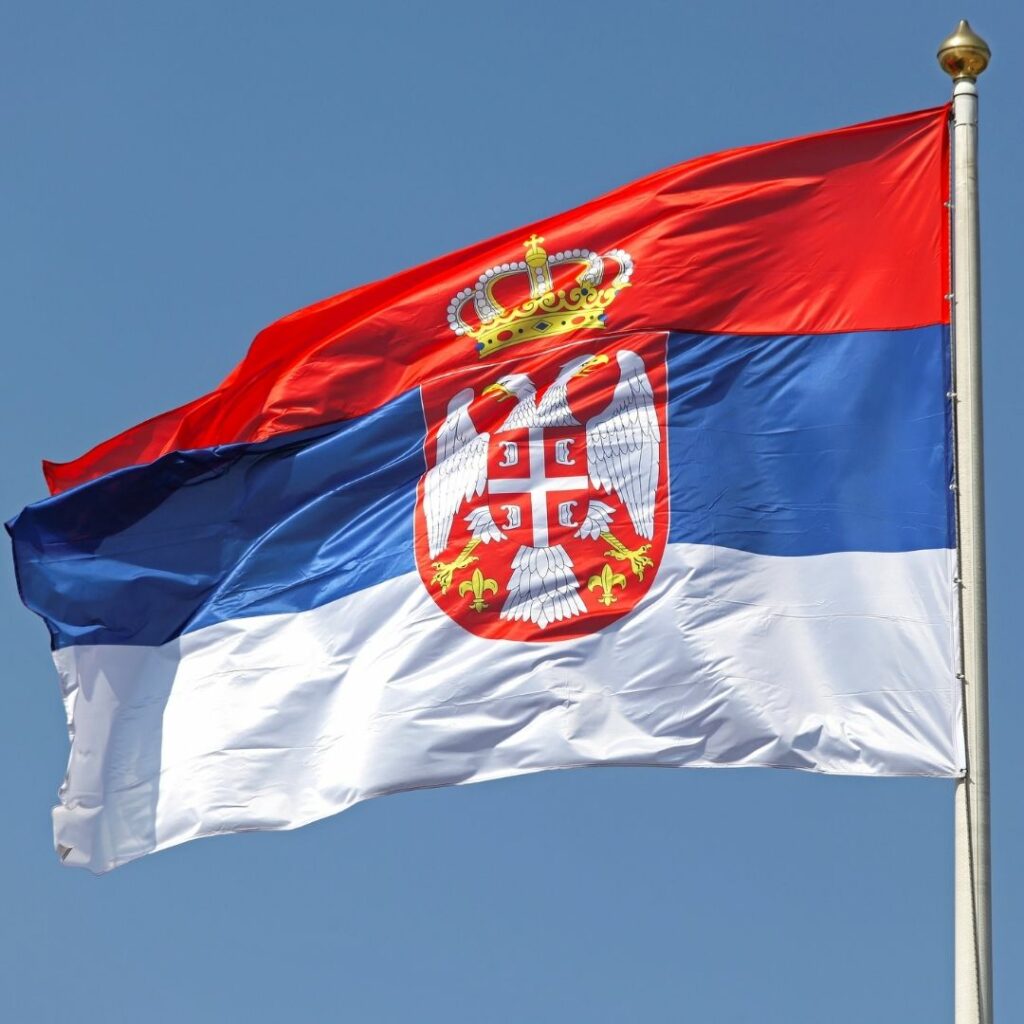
pixel 964 54
pixel 533 246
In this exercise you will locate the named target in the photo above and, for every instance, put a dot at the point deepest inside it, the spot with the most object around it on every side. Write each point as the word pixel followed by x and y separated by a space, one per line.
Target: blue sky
pixel 175 176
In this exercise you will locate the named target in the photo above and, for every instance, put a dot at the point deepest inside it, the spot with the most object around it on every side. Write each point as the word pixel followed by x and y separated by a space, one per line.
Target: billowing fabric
pixel 838 232
pixel 854 427
pixel 838 663
pixel 670 487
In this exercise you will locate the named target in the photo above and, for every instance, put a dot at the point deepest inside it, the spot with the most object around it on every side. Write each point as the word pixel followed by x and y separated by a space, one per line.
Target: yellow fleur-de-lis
pixel 478 585
pixel 606 581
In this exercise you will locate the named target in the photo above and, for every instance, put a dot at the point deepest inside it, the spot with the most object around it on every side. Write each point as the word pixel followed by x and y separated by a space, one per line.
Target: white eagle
pixel 623 457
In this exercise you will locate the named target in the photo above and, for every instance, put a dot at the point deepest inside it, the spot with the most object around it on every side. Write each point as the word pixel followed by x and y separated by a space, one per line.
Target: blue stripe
pixel 777 445
pixel 803 445
pixel 148 553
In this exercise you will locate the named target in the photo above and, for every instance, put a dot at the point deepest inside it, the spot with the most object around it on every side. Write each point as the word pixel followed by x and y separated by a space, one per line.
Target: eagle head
pixel 512 385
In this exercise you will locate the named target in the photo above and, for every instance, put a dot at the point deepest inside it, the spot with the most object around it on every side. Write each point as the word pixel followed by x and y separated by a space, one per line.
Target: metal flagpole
pixel 964 55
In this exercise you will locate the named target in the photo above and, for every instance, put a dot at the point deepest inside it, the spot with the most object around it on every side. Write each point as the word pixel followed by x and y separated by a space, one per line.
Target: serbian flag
pixel 663 480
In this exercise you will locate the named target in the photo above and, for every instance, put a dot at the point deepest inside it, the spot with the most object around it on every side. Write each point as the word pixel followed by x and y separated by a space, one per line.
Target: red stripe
pixel 843 231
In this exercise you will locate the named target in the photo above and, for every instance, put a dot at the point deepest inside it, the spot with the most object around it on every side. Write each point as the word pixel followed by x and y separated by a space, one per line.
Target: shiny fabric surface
pixel 253 630
pixel 792 446
pixel 837 232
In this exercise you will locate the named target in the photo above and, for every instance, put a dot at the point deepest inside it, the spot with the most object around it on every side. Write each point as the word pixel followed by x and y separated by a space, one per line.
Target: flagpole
pixel 964 55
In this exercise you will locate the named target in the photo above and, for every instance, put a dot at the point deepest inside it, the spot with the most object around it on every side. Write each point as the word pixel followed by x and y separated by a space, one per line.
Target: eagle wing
pixel 624 444
pixel 459 473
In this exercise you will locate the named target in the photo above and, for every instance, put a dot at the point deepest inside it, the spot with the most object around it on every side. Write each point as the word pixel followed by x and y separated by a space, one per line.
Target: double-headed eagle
pixel 623 458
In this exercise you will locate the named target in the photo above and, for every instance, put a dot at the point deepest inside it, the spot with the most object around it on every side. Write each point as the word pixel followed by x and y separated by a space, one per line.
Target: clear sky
pixel 174 176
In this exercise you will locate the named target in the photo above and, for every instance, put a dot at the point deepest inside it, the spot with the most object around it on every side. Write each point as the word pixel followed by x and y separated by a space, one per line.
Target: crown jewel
pixel 479 313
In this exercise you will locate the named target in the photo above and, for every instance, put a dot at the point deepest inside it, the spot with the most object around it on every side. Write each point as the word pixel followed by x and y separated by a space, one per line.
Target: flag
pixel 662 480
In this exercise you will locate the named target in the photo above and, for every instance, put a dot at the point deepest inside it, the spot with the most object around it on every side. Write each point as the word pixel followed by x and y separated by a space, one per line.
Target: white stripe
pixel 838 663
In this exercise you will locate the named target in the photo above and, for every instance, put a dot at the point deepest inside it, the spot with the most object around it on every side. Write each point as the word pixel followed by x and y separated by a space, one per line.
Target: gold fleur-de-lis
pixel 607 581
pixel 478 585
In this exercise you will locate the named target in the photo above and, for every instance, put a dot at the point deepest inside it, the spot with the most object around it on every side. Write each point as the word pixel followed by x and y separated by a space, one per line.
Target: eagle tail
pixel 543 588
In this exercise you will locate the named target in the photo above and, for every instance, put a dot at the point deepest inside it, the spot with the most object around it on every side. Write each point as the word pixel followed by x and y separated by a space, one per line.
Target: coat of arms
pixel 543 511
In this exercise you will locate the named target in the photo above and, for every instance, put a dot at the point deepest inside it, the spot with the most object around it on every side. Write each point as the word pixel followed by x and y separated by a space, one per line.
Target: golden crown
pixel 478 313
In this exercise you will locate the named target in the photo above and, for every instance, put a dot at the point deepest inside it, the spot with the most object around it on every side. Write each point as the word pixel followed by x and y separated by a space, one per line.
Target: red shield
pixel 537 483
pixel 543 514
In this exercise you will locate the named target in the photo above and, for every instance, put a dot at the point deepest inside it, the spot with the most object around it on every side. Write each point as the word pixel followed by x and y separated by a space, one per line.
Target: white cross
pixel 538 484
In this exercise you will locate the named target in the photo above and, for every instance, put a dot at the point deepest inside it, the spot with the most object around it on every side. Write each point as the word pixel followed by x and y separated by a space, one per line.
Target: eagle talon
pixel 636 557
pixel 444 572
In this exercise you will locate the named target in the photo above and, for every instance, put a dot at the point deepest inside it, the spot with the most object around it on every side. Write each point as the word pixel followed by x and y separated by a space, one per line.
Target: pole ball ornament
pixel 964 54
